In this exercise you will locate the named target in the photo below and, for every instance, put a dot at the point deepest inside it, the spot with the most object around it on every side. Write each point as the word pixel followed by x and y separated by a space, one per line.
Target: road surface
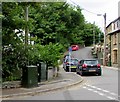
pixel 94 87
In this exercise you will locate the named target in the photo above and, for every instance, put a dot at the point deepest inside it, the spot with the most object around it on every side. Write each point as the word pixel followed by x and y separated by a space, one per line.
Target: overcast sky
pixel 94 7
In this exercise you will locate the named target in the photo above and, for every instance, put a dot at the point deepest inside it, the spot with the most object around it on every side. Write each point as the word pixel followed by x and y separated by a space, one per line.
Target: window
pixel 74 61
pixel 115 56
pixel 115 39
pixel 91 62
pixel 114 26
pixel 117 24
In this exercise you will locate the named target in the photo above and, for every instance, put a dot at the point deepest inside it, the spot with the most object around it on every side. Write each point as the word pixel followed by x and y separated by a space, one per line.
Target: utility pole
pixel 104 53
pixel 99 38
pixel 26 32
pixel 26 26
pixel 94 33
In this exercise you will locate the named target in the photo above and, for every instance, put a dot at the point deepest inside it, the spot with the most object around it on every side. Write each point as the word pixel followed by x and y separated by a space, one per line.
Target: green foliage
pixel 13 58
pixel 49 54
pixel 53 26
pixel 91 30
pixel 56 21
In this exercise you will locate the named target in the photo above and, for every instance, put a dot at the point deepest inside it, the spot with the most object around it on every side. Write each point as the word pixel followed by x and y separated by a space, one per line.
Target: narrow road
pixel 94 87
pixel 82 53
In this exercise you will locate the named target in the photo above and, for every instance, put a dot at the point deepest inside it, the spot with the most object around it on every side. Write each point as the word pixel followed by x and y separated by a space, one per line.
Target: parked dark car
pixel 70 64
pixel 89 66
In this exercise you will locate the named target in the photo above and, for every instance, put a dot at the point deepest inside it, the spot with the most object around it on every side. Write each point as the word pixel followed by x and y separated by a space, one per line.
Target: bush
pixel 51 53
pixel 16 58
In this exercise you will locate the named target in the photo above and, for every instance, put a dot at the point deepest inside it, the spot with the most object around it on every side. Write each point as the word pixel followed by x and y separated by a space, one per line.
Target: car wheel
pixel 77 72
pixel 99 74
pixel 67 69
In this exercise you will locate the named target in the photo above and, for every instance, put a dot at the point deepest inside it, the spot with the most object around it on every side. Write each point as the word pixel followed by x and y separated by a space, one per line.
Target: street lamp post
pixel 94 34
pixel 104 53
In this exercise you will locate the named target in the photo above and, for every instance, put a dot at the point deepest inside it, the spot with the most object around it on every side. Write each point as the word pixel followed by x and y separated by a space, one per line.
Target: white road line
pixel 99 91
pixel 113 94
pixel 91 86
pixel 89 89
pixel 98 88
pixel 84 87
pixel 95 91
pixel 95 87
pixel 102 90
pixel 105 91
pixel 112 98
pixel 101 94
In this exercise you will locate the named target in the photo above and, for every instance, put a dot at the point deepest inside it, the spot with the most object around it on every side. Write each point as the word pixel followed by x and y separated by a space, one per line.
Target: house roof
pixel 109 24
pixel 115 31
pixel 116 19
pixel 112 22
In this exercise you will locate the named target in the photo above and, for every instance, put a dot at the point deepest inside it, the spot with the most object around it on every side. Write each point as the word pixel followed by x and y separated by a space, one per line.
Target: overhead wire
pixel 83 8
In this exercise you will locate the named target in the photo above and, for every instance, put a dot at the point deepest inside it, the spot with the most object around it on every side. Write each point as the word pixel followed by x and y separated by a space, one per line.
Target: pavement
pixel 63 81
pixel 113 68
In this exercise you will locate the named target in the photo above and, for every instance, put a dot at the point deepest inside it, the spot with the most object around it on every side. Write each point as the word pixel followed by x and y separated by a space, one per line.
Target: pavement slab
pixel 64 80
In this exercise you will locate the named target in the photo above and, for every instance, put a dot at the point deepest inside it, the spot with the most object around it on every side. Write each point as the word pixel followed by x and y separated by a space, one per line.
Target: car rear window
pixel 91 62
pixel 74 60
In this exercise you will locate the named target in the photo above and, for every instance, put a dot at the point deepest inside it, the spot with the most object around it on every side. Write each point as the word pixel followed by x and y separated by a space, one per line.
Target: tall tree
pixel 49 24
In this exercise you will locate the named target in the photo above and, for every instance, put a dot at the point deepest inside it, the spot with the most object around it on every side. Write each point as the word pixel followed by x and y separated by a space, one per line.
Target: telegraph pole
pixel 26 32
pixel 104 53
pixel 99 38
pixel 26 26
pixel 94 33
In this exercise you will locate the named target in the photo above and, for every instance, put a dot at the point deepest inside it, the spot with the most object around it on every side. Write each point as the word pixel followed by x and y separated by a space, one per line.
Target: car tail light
pixel 84 66
pixel 98 65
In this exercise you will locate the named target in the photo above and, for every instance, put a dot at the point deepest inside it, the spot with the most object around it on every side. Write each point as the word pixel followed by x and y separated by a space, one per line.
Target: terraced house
pixel 113 42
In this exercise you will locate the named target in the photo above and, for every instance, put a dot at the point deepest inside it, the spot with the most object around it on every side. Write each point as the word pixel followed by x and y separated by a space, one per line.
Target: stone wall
pixel 52 72
pixel 119 50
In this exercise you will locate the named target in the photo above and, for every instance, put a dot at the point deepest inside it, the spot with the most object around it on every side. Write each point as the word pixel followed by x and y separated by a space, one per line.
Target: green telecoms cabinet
pixel 42 72
pixel 30 76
